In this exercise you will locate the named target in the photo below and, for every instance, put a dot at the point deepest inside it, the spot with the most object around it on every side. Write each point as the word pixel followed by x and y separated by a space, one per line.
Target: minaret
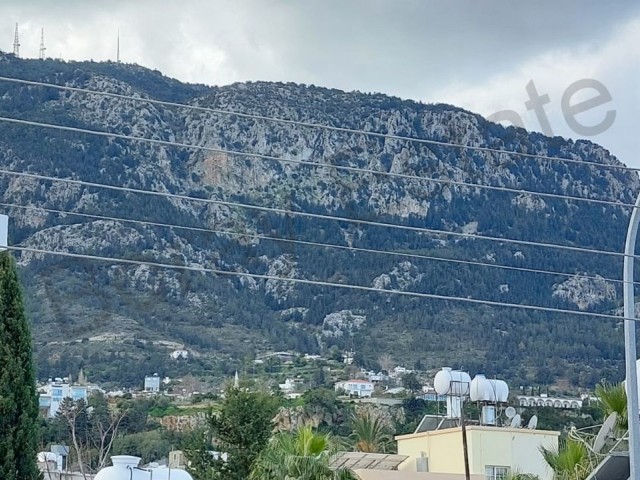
pixel 42 47
pixel 236 381
pixel 16 43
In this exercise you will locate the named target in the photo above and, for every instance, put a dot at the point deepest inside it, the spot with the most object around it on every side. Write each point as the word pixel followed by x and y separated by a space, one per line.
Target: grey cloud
pixel 404 47
pixel 410 48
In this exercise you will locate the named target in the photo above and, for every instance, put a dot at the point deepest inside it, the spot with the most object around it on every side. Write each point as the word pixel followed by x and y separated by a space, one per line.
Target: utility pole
pixel 630 354
pixel 4 232
pixel 465 448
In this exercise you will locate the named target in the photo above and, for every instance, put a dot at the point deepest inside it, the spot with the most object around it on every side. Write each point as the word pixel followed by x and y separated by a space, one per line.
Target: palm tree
pixel 370 434
pixel 613 399
pixel 303 455
pixel 570 461
pixel 515 475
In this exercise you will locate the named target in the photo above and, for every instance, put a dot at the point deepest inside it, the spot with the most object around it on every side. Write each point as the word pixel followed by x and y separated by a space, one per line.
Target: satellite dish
pixel 605 432
pixel 510 412
pixel 516 421
pixel 533 423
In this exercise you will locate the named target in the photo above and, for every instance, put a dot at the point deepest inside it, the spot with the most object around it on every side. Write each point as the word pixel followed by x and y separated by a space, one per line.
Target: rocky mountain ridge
pixel 223 318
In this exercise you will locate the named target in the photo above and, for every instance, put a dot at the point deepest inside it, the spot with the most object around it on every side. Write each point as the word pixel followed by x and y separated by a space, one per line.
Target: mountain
pixel 120 321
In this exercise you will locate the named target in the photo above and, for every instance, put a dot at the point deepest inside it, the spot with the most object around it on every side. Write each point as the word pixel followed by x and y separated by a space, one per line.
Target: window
pixel 496 473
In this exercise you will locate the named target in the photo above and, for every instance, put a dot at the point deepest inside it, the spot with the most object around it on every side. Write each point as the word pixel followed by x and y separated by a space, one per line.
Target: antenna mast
pixel 118 49
pixel 42 47
pixel 16 43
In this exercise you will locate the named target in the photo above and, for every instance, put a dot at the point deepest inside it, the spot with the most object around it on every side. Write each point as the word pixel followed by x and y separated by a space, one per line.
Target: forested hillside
pixel 120 322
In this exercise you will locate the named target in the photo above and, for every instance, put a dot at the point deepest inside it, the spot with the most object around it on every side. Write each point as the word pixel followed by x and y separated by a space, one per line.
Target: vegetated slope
pixel 120 321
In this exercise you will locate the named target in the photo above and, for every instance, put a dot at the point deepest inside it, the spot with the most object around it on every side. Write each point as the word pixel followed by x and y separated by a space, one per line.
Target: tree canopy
pixel 302 455
pixel 238 432
pixel 18 397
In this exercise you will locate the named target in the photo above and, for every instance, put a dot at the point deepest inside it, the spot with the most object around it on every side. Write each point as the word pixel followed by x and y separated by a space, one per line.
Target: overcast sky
pixel 479 55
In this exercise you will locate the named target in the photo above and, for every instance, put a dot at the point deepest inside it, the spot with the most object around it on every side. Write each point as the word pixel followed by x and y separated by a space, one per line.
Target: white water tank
pixel 479 390
pixel 483 389
pixel 125 467
pixel 452 382
pixel 164 473
pixel 501 389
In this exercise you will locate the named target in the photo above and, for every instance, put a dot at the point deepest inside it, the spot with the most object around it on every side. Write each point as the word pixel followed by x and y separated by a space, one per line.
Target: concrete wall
pixel 66 476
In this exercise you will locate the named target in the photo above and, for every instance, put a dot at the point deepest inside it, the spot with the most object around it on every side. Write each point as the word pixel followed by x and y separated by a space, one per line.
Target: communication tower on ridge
pixel 43 49
pixel 118 48
pixel 16 43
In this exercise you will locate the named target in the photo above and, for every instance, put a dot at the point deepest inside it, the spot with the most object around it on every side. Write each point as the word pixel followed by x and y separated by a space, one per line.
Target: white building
pixel 372 376
pixel 395 391
pixel 359 388
pixel 546 401
pixel 180 354
pixel 494 452
pixel 53 393
pixel 290 385
pixel 152 384
pixel 399 371
pixel 347 357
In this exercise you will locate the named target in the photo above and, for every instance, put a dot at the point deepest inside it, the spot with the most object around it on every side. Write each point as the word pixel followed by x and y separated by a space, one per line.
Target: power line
pixel 317 125
pixel 318 216
pixel 281 211
pixel 318 283
pixel 358 170
pixel 309 243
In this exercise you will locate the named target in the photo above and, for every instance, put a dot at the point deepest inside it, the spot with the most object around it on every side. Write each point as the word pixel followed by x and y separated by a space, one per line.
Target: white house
pixel 360 388
pixel 152 384
pixel 290 385
pixel 52 394
pixel 347 357
pixel 180 354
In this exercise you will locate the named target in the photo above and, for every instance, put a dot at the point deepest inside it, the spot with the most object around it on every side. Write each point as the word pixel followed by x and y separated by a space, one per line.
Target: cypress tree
pixel 18 395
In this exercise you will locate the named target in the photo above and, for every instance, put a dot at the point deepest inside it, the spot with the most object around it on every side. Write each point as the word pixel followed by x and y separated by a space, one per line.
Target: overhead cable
pixel 389 136
pixel 320 283
pixel 344 168
pixel 309 243
pixel 282 211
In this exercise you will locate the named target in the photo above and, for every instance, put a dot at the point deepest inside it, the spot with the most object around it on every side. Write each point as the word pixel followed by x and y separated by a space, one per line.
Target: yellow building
pixel 493 451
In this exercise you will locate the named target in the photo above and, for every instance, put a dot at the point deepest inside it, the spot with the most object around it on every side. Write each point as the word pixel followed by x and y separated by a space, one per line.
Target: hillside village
pixel 404 399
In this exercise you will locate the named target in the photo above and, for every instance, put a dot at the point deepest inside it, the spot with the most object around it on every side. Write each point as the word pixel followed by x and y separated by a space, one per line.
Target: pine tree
pixel 240 430
pixel 18 396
